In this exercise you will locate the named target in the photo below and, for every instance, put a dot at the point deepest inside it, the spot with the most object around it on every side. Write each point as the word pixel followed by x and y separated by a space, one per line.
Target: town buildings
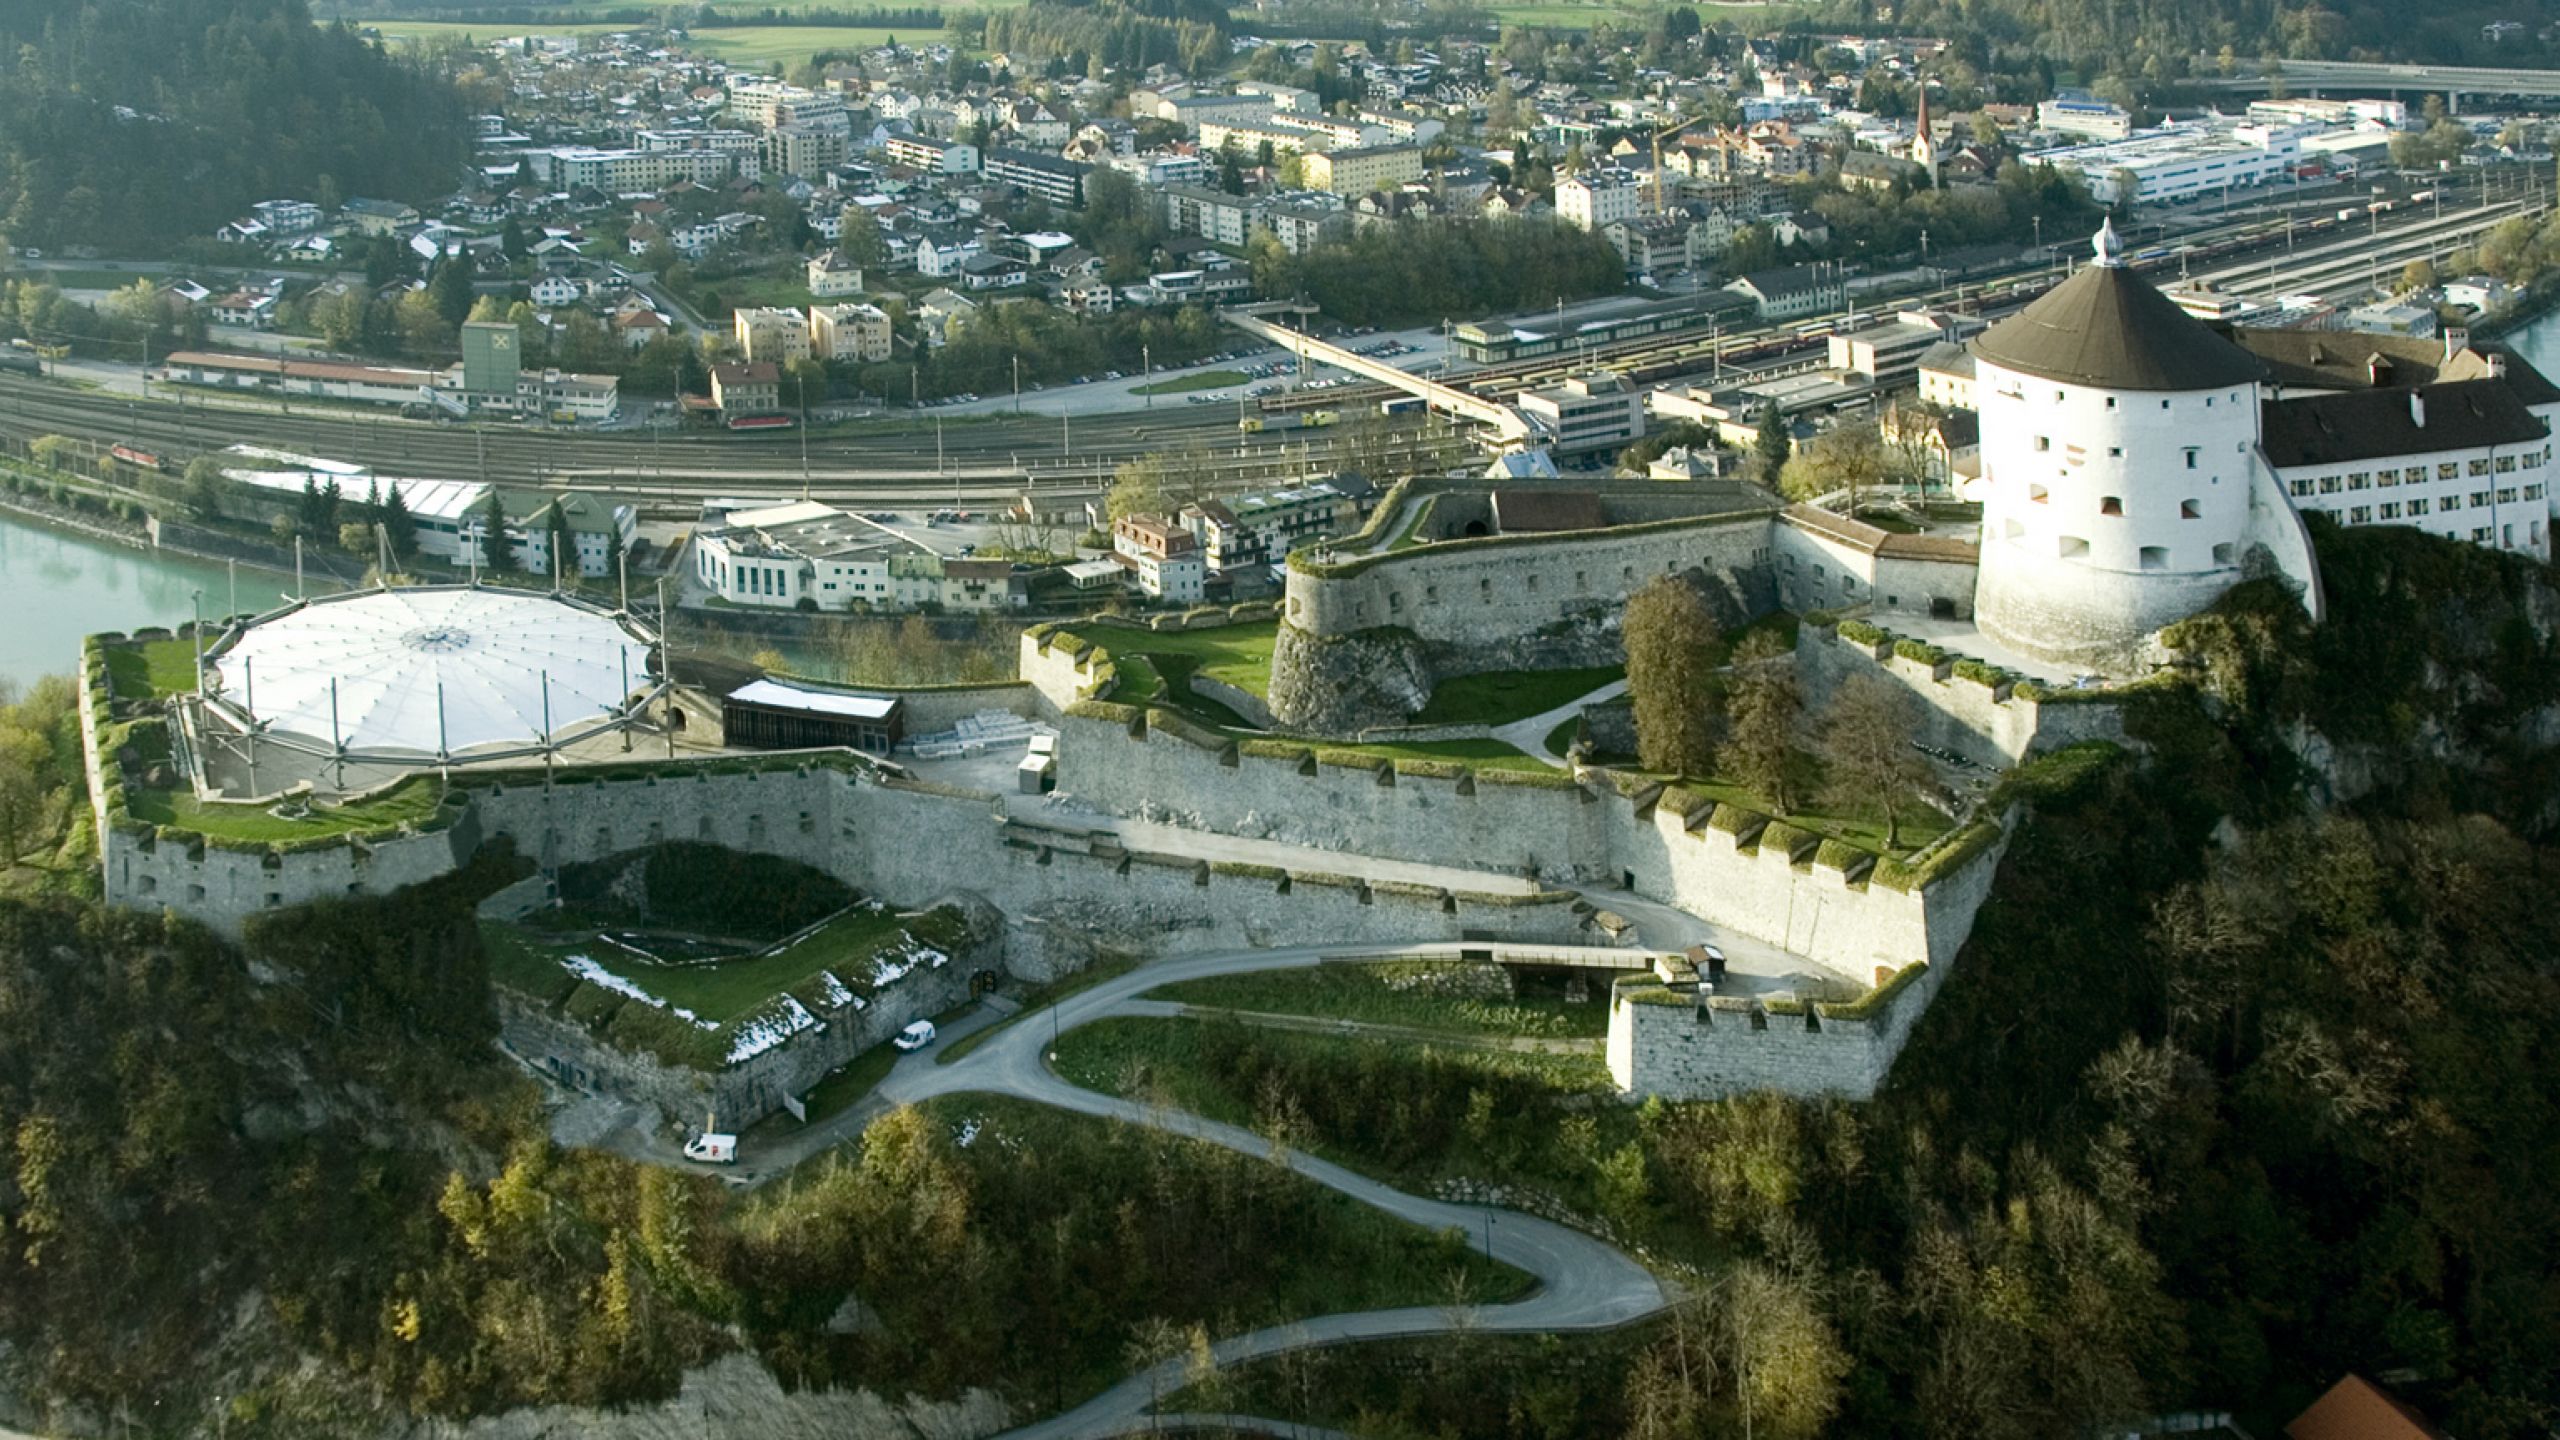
pixel 1161 556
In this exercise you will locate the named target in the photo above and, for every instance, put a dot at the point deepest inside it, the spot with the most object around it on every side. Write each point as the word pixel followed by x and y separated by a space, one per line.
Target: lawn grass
pixel 1162 1059
pixel 82 279
pixel 1041 997
pixel 412 801
pixel 1859 825
pixel 1480 754
pixel 1239 655
pixel 1582 17
pixel 748 292
pixel 1560 739
pixel 1202 380
pixel 715 991
pixel 1397 1111
pixel 1408 535
pixel 152 669
pixel 1367 992
pixel 1499 697
pixel 726 989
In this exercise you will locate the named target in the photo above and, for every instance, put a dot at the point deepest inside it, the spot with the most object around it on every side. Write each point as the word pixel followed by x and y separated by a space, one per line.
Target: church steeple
pixel 1924 145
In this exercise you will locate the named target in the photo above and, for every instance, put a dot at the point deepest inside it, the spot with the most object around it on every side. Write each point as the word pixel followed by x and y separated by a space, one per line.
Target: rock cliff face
pixel 1339 684
pixel 735 1398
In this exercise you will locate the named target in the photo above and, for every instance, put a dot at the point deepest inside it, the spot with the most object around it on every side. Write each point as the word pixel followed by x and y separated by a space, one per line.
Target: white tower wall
pixel 2108 513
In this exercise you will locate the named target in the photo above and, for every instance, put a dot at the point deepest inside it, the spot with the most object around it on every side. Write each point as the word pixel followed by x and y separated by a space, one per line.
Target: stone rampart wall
pixel 223 887
pixel 1701 1047
pixel 1494 592
pixel 1986 724
pixel 1563 833
pixel 1331 800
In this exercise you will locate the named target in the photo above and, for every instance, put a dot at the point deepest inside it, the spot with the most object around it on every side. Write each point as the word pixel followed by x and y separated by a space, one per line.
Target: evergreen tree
pixel 398 523
pixel 1774 444
pixel 306 515
pixel 325 521
pixel 450 289
pixel 497 554
pixel 564 546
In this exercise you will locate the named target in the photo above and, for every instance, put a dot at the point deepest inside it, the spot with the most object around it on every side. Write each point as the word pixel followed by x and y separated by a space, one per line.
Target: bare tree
pixel 1866 750
pixel 1764 706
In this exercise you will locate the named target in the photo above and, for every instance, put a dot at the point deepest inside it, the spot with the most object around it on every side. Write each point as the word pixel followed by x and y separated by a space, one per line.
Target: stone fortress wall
pixel 1978 713
pixel 1363 638
pixel 1820 902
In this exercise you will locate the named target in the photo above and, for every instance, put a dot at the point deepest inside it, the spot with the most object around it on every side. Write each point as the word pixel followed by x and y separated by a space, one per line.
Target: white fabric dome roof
pixel 389 651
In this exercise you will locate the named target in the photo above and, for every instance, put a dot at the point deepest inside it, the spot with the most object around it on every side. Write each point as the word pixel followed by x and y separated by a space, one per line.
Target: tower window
pixel 2043 443
pixel 2111 402
pixel 2222 553
pixel 2037 494
pixel 2012 531
pixel 2190 510
pixel 2074 548
pixel 2191 457
pixel 2155 557
pixel 2110 505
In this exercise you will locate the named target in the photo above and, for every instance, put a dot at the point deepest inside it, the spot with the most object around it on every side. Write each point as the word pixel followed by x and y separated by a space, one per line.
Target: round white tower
pixel 2119 440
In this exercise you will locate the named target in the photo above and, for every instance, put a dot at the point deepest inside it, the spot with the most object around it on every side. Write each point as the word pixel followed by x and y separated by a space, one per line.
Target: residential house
pixel 833 274
pixel 378 217
pixel 771 333
pixel 1161 556
pixel 849 332
pixel 749 389
pixel 1792 291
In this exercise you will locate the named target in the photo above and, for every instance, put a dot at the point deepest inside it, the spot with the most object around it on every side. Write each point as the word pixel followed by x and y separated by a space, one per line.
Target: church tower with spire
pixel 1924 145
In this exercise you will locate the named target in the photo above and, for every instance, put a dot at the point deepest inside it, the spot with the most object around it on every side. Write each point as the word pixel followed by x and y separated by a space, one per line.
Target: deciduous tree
pixel 1668 635
pixel 1866 750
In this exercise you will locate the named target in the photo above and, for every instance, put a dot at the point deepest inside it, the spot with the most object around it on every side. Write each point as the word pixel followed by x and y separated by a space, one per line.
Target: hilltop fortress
pixel 2133 471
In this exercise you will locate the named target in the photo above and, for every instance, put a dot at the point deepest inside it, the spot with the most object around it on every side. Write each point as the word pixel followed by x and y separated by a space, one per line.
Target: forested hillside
pixel 138 123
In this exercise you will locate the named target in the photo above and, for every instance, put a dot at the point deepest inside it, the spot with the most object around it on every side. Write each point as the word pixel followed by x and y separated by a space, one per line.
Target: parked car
pixel 915 1036
pixel 712 1149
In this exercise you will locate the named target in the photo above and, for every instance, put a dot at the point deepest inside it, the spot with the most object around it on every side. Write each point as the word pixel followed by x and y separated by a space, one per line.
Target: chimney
pixel 2456 340
pixel 2417 409
pixel 2497 364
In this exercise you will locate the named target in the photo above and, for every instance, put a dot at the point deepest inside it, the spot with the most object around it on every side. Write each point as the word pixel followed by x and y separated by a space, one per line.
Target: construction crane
pixel 1659 136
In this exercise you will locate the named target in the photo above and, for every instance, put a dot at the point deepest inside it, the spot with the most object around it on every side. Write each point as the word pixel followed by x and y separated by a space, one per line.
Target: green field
pixel 1239 655
pixel 412 801
pixel 1204 380
pixel 1499 697
pixel 1583 17
pixel 1370 993
pixel 742 44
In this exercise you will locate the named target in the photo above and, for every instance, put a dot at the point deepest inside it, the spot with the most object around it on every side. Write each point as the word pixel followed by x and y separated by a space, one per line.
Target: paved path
pixel 1582 1284
pixel 1530 735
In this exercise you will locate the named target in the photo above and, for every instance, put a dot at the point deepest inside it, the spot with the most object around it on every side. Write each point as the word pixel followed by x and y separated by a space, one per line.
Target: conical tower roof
pixel 2108 327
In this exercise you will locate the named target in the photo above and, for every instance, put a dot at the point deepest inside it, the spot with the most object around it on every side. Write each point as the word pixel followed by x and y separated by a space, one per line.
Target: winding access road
pixel 1582 1284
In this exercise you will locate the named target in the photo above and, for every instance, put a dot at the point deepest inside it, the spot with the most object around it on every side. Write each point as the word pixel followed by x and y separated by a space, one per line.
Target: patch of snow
pixel 967 1133
pixel 890 966
pixel 837 995
pixel 768 1028
pixel 595 974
